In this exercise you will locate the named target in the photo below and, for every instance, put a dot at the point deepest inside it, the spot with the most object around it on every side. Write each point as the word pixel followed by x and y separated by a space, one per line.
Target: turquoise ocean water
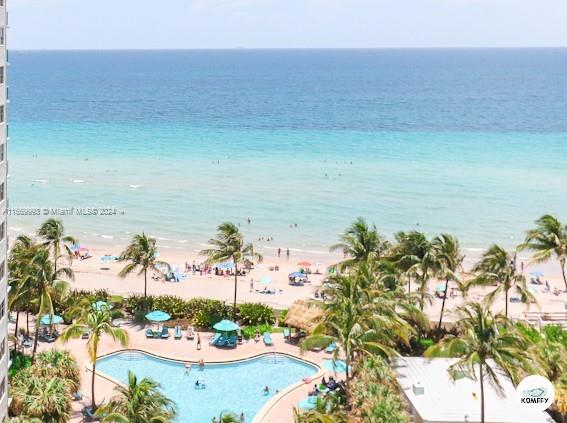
pixel 472 142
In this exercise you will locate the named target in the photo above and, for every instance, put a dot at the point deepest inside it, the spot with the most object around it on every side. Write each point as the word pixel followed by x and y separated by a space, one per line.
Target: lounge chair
pixel 214 339
pixel 164 332
pixel 190 333
pixel 268 339
pixel 331 348
pixel 77 396
pixel 286 333
pixel 149 333
pixel 177 332
pixel 86 334
pixel 231 342
pixel 88 414
pixel 221 341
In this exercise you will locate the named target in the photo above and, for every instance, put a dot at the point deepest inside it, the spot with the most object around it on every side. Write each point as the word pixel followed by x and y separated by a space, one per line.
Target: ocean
pixel 471 142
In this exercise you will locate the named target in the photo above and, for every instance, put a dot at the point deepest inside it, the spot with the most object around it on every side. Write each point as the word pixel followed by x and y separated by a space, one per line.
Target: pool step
pixel 275 359
pixel 132 356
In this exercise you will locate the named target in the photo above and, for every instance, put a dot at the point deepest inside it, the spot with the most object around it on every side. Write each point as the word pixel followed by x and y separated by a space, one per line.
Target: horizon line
pixel 296 48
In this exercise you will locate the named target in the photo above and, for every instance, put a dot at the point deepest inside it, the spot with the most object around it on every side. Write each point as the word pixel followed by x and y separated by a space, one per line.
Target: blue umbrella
pixel 48 319
pixel 536 273
pixel 101 305
pixel 297 275
pixel 226 326
pixel 264 280
pixel 158 316
pixel 227 265
pixel 337 366
pixel 440 287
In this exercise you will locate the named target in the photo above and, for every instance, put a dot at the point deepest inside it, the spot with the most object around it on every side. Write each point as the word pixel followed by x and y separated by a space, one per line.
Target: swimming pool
pixel 236 387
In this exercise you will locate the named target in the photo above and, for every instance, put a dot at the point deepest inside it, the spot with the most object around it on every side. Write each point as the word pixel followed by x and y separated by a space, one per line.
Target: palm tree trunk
pixel 145 283
pixel 443 304
pixel 36 337
pixel 481 394
pixel 93 403
pixel 562 262
pixel 235 289
pixel 27 322
pixel 16 325
pixel 409 285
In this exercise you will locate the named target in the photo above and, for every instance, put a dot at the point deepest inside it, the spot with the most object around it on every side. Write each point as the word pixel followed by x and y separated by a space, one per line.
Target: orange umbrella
pixel 304 263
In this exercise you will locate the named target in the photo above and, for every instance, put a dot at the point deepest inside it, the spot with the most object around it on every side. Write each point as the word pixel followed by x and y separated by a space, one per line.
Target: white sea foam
pixel 78 181
pixel 107 236
pixel 41 181
pixel 135 186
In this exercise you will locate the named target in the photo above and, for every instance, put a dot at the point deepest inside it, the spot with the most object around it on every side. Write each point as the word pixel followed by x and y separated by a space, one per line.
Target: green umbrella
pixel 226 326
pixel 158 316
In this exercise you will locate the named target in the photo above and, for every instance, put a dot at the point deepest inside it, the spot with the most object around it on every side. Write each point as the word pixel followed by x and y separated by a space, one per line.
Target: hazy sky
pixel 101 24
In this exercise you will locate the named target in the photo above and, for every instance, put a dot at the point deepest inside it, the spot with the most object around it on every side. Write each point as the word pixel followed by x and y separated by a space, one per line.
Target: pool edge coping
pixel 266 408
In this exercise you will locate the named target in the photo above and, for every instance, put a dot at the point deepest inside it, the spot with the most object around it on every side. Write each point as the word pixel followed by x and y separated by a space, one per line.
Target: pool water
pixel 233 387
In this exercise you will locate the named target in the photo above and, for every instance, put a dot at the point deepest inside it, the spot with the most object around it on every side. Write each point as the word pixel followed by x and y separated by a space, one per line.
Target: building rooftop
pixel 445 400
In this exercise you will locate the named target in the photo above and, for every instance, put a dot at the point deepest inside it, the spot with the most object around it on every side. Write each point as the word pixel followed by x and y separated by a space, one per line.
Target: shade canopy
pixel 265 280
pixel 536 273
pixel 304 263
pixel 337 366
pixel 440 287
pixel 303 315
pixel 158 316
pixel 297 275
pixel 101 305
pixel 51 320
pixel 226 326
pixel 226 265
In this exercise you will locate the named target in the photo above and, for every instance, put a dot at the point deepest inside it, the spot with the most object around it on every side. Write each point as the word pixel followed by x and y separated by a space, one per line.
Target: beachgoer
pixel 198 342
pixel 249 221
pixel 242 417
pixel 266 390
pixel 287 252
pixel 201 363
pixel 279 252
pixel 197 383
pixel 252 285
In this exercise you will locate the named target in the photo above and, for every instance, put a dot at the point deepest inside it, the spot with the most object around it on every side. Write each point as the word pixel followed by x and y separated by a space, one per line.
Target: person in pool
pixel 187 368
pixel 266 390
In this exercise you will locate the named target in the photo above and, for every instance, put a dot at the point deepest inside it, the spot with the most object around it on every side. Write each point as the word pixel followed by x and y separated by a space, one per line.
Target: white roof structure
pixel 436 398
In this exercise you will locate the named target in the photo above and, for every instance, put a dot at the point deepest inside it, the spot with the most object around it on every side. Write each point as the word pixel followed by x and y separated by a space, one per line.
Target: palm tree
pixel 142 254
pixel 497 266
pixel 53 232
pixel 449 259
pixel 97 323
pixel 324 412
pixel 548 238
pixel 47 399
pixel 138 402
pixel 46 284
pixel 488 347
pixel 360 243
pixel 229 245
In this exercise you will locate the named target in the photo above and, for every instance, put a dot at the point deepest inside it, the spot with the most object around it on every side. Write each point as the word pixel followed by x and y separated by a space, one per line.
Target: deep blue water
pixel 468 141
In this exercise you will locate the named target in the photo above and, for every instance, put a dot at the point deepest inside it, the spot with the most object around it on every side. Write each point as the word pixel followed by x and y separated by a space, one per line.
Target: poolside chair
pixel 88 414
pixel 214 339
pixel 177 332
pixel 149 333
pixel 164 332
pixel 221 341
pixel 331 348
pixel 190 333
pixel 231 342
pixel 268 339
pixel 286 333
pixel 77 396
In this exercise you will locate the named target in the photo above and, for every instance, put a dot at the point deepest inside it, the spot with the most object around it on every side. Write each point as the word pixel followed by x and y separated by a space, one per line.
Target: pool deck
pixel 278 410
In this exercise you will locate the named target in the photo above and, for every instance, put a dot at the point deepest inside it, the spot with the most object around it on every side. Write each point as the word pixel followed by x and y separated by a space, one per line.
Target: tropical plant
pixel 19 362
pixel 498 267
pixel 142 254
pixel 47 399
pixel 449 260
pixel 56 363
pixel 325 411
pixel 52 232
pixel 360 243
pixel 488 348
pixel 547 239
pixel 229 246
pixel 255 314
pixel 139 401
pixel 97 323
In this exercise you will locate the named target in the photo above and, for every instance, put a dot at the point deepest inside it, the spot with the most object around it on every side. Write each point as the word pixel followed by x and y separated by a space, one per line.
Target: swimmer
pixel 187 368
pixel 266 390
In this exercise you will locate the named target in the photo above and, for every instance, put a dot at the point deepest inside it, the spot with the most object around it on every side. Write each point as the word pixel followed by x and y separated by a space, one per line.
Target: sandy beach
pixel 94 274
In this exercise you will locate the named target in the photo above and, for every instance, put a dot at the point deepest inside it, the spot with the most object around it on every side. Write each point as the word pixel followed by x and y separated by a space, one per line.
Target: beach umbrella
pixel 265 280
pixel 226 326
pixel 337 366
pixel 536 273
pixel 158 316
pixel 297 275
pixel 304 263
pixel 51 320
pixel 226 265
pixel 440 287
pixel 101 305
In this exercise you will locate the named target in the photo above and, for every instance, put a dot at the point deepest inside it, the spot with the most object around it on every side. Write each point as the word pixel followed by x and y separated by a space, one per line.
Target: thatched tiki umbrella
pixel 304 315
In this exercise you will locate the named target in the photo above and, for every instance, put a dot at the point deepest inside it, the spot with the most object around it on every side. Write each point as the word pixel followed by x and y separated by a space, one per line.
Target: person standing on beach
pixel 279 252
pixel 287 253
pixel 252 285
pixel 198 341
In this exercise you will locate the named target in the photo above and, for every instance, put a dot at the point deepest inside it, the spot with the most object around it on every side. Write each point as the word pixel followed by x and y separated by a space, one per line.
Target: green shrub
pixel 282 314
pixel 20 361
pixel 248 331
pixel 255 314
